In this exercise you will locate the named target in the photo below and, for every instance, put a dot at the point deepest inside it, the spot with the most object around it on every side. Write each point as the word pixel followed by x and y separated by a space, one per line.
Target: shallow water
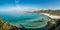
pixel 27 20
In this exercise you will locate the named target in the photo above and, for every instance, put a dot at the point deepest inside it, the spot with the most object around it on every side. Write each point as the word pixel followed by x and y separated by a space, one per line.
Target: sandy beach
pixel 52 16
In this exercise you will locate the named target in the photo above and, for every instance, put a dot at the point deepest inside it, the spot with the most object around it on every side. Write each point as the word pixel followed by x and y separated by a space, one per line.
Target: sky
pixel 29 4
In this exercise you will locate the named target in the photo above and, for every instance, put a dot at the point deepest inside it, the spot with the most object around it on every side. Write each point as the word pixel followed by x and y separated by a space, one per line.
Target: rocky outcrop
pixel 6 26
pixel 53 25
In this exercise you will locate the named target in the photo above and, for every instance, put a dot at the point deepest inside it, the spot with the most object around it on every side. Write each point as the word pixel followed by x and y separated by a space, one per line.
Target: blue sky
pixel 29 4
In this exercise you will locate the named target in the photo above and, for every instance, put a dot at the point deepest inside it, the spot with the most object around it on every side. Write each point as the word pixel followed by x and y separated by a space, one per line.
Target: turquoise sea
pixel 27 20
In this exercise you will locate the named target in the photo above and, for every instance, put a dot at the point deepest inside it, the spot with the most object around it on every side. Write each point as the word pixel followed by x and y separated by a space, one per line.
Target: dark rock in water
pixel 12 20
pixel 39 21
pixel 14 28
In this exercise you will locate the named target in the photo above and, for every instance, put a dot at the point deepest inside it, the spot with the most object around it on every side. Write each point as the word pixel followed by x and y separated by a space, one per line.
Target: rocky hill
pixel 53 12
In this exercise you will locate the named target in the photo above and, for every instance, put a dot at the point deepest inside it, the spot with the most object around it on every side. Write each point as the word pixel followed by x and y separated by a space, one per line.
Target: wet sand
pixel 52 16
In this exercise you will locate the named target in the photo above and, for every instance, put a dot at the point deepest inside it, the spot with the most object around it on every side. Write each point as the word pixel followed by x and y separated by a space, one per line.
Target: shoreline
pixel 51 16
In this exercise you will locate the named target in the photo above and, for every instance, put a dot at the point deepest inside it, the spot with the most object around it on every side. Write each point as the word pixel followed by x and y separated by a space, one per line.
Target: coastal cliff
pixel 6 26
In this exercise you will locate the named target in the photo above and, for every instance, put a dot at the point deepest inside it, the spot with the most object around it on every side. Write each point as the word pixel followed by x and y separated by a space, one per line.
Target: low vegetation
pixel 53 12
